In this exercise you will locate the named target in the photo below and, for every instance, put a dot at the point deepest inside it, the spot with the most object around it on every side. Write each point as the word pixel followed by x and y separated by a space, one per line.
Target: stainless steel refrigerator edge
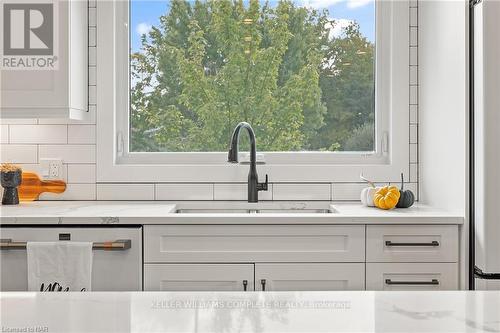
pixel 485 145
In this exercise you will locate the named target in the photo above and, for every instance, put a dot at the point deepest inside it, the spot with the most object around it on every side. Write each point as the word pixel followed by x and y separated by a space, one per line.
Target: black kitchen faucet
pixel 253 179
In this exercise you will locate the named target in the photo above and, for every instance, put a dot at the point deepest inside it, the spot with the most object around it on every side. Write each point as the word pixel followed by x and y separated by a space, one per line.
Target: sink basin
pixel 257 208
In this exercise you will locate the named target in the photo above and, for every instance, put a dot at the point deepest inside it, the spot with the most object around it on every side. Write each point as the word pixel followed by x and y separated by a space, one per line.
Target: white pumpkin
pixel 367 195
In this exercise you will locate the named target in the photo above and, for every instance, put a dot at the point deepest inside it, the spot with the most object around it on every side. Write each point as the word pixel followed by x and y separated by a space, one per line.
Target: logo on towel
pixel 55 286
pixel 29 40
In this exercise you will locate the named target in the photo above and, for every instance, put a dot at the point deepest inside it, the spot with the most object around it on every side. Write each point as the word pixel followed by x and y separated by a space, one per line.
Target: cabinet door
pixel 304 277
pixel 412 276
pixel 62 90
pixel 198 277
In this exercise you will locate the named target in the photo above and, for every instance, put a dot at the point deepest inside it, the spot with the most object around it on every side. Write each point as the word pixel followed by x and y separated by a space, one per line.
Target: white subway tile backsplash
pixel 81 134
pixel 38 134
pixel 18 154
pixel 89 119
pixel 69 153
pixel 73 192
pixel 92 76
pixel 413 36
pixel 81 173
pixel 413 75
pixel 301 192
pixel 413 56
pixel 413 16
pixel 4 134
pixel 92 36
pixel 92 95
pixel 414 95
pixel 413 133
pixel 347 191
pixel 92 16
pixel 413 172
pixel 184 192
pixel 14 121
pixel 413 114
pixel 125 192
pixel 413 153
pixel 238 192
pixel 92 56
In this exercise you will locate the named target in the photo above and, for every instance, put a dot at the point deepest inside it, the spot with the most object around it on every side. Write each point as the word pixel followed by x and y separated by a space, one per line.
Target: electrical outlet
pixel 52 168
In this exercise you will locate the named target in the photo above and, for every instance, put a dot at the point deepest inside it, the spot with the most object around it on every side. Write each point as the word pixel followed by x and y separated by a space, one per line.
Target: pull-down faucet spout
pixel 253 179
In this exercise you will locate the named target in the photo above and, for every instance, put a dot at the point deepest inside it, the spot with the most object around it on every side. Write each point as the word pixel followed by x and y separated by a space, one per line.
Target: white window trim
pixel 114 164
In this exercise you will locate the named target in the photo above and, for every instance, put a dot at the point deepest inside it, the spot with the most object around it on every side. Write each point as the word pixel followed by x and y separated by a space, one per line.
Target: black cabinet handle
pixel 433 243
pixel 433 282
pixel 245 284
pixel 263 284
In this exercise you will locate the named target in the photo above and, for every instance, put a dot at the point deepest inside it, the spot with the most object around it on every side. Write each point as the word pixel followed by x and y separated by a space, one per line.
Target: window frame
pixel 116 164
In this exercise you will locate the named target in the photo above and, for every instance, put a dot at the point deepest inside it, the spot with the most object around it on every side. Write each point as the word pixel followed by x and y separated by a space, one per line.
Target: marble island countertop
pixel 158 212
pixel 343 311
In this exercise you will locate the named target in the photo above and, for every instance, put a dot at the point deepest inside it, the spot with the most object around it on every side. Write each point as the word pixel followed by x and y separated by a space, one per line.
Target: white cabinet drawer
pixel 411 276
pixel 307 277
pixel 405 243
pixel 198 277
pixel 258 243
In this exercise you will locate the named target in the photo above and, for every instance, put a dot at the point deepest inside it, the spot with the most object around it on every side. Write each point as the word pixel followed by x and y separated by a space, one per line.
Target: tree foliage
pixel 210 64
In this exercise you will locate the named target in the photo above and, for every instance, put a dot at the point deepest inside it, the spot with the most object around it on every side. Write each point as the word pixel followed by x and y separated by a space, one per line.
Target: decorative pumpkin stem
pixel 366 180
pixel 402 182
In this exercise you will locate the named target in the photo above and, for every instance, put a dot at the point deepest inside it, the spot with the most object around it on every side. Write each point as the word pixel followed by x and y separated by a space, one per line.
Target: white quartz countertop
pixel 158 212
pixel 343 311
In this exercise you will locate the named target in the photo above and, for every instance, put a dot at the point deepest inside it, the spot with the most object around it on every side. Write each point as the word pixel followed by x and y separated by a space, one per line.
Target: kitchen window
pixel 316 80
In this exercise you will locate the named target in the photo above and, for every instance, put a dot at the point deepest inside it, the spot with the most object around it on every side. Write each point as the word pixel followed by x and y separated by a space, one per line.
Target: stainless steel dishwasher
pixel 117 259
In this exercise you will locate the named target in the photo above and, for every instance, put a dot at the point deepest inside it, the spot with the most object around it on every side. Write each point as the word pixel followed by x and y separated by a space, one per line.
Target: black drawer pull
pixel 390 243
pixel 433 282
pixel 245 284
pixel 263 284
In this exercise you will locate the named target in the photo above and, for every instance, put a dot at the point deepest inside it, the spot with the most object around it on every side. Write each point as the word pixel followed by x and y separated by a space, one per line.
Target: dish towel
pixel 59 266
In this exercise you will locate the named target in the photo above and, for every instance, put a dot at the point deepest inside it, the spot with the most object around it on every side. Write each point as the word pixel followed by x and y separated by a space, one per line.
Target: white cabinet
pixel 254 243
pixel 419 257
pixel 301 257
pixel 198 277
pixel 302 277
pixel 411 276
pixel 62 90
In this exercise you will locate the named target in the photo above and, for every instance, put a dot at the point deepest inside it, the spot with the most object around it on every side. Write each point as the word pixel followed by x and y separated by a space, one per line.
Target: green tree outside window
pixel 210 64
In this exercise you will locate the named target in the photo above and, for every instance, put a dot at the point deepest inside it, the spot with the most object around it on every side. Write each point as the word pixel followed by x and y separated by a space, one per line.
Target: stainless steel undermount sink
pixel 257 208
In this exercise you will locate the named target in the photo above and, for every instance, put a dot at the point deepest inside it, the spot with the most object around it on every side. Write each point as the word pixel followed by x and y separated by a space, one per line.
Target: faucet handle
pixel 263 186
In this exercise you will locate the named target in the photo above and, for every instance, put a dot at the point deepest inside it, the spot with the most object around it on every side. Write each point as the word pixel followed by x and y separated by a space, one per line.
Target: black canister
pixel 10 181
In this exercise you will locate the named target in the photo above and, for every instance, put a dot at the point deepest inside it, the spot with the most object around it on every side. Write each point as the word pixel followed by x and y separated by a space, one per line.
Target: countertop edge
pixel 158 213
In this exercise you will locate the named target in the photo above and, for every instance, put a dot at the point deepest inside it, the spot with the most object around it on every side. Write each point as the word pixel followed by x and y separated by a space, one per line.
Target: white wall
pixel 443 101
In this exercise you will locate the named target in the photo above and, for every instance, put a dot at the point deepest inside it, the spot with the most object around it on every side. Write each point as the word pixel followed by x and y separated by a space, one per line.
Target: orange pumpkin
pixel 386 197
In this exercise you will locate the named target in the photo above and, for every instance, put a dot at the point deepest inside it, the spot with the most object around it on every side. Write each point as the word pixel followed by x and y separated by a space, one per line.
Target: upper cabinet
pixel 44 59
